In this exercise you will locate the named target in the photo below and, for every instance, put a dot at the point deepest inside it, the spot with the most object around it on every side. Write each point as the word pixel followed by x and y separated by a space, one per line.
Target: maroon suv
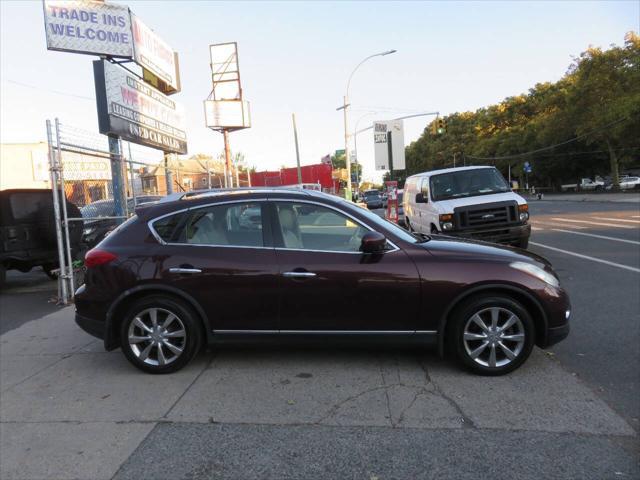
pixel 278 262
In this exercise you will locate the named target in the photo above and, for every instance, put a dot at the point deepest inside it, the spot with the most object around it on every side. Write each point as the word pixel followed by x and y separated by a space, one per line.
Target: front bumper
pixel 507 234
pixel 557 334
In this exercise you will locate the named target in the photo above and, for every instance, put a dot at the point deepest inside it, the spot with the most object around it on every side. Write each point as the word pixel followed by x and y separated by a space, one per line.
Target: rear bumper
pixel 507 234
pixel 91 326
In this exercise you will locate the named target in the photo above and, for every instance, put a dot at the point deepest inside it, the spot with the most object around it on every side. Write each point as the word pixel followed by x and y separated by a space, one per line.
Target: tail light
pixel 96 257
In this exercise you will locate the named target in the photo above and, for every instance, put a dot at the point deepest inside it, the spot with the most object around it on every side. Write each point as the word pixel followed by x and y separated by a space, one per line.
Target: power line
pixel 579 137
pixel 57 92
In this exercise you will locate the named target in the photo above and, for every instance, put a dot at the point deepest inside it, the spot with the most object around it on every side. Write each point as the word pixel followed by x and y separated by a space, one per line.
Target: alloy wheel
pixel 157 336
pixel 494 337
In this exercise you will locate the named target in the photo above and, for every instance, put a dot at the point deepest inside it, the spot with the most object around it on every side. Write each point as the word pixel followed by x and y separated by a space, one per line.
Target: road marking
pixel 580 227
pixel 617 219
pixel 633 242
pixel 635 216
pixel 586 257
pixel 537 228
pixel 591 223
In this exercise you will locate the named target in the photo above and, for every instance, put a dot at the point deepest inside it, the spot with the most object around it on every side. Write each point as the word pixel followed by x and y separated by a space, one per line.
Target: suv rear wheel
pixel 491 335
pixel 160 335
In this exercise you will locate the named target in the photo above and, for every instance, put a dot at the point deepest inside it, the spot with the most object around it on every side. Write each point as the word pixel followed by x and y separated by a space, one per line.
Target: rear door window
pixel 236 224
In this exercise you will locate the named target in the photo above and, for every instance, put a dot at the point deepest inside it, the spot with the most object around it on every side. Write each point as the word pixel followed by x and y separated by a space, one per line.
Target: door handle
pixel 298 274
pixel 185 270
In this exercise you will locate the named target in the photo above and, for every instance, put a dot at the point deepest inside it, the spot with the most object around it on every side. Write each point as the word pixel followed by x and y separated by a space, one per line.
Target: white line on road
pixel 586 257
pixel 590 223
pixel 536 228
pixel 633 242
pixel 546 224
pixel 617 219
pixel 635 216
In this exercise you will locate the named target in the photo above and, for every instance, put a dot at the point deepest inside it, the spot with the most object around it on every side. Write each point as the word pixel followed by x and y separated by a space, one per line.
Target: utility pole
pixel 208 174
pixel 347 160
pixel 295 136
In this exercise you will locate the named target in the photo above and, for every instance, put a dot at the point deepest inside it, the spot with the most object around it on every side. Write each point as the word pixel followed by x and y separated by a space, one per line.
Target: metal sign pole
pixel 227 159
pixel 53 169
pixel 117 181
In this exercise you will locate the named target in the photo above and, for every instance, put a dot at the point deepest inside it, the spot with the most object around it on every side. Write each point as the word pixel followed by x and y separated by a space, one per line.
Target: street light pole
pixel 344 107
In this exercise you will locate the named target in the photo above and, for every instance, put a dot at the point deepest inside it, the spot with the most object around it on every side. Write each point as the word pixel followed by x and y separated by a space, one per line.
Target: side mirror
pixel 420 198
pixel 373 242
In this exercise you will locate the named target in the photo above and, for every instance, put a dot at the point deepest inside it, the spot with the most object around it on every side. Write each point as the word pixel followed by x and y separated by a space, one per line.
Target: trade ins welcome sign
pixel 94 28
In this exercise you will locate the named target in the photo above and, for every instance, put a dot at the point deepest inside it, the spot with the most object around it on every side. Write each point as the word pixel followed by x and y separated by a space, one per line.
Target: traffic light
pixel 438 127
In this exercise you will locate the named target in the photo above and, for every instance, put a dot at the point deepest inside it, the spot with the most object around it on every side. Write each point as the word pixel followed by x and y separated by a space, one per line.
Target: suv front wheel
pixel 160 335
pixel 492 335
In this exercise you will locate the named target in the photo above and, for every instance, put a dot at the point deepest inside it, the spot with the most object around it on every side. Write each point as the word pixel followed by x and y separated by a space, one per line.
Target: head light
pixel 524 216
pixel 537 272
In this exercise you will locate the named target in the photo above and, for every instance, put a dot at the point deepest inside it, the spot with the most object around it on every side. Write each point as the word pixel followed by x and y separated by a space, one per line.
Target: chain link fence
pixel 80 166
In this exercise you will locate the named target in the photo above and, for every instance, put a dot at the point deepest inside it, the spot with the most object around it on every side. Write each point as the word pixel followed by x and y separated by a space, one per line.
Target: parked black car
pixel 274 262
pixel 28 231
pixel 96 227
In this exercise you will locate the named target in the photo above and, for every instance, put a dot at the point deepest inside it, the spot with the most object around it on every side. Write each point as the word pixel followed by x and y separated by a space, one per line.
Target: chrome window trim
pixel 150 223
pixel 394 249
pixel 213 204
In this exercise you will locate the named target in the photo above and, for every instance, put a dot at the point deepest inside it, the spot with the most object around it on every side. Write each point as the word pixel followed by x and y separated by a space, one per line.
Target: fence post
pixel 53 170
pixel 69 272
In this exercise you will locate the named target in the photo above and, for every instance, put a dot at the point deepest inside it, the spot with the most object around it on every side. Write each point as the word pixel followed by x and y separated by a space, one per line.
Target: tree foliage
pixel 593 112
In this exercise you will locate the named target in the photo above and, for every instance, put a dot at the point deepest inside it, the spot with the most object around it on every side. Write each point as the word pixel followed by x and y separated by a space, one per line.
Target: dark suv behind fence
pixel 28 231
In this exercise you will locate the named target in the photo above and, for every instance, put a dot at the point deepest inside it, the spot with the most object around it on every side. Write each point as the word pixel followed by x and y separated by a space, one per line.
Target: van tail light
pixel 96 257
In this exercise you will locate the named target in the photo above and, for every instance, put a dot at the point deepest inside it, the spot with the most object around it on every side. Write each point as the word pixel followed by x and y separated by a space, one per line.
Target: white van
pixel 474 202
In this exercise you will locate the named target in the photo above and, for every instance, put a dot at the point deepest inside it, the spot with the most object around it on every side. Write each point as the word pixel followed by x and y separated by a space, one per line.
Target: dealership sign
pixel 91 27
pixel 230 114
pixel 388 141
pixel 137 112
pixel 153 54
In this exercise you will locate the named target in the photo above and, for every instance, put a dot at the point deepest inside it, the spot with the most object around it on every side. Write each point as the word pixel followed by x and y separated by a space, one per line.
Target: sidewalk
pixel 69 410
pixel 631 197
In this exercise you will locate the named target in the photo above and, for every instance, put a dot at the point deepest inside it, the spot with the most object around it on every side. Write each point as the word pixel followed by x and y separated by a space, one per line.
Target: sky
pixel 296 57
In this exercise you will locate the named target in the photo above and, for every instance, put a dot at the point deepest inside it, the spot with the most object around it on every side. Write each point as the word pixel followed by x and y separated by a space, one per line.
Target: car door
pixel 222 255
pixel 327 284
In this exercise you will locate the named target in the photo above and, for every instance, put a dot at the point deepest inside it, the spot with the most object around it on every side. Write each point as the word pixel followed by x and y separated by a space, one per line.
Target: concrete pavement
pixel 70 410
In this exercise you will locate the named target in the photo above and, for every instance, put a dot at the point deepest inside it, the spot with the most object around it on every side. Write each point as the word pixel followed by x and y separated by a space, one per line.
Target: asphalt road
pixel 603 348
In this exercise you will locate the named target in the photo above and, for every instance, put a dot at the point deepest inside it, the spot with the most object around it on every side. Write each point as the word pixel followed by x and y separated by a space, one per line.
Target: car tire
pixel 3 275
pixel 524 244
pixel 485 347
pixel 407 225
pixel 163 345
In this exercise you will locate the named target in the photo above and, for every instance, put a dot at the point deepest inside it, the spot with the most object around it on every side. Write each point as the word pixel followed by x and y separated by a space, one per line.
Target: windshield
pixel 468 183
pixel 370 194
